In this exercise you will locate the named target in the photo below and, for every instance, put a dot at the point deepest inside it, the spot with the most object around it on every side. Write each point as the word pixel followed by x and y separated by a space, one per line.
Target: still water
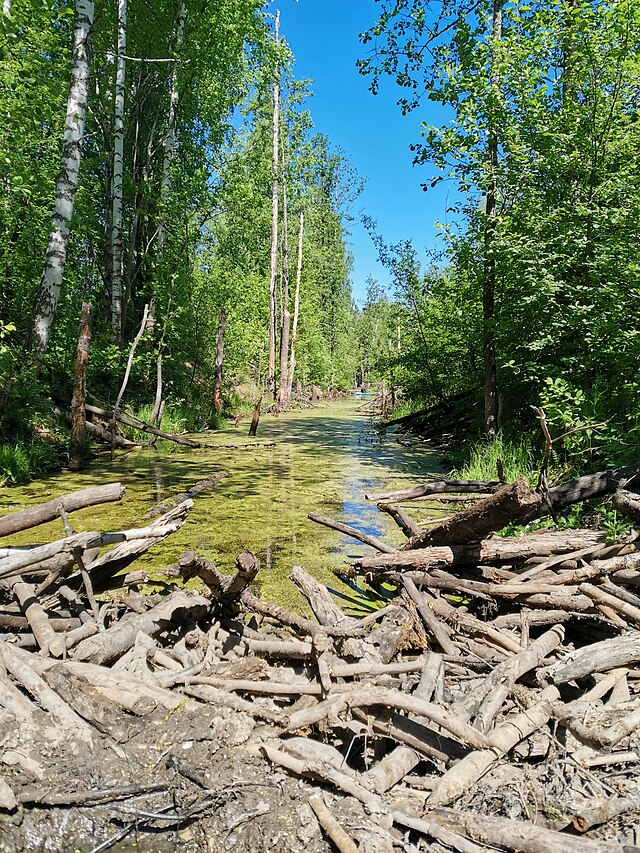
pixel 322 460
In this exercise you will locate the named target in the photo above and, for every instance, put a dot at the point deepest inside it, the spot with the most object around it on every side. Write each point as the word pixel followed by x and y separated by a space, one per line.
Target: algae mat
pixel 323 460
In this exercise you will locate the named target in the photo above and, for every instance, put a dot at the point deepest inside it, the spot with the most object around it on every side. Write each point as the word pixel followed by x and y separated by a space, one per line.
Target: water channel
pixel 322 460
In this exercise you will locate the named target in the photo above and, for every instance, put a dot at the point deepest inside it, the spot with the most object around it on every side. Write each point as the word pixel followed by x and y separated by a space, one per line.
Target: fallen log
pixel 436 487
pixel 105 435
pixel 628 503
pixel 517 835
pixel 596 657
pixel 114 642
pixel 404 521
pixel 71 502
pixel 378 544
pixel 509 504
pixel 498 549
pixel 197 489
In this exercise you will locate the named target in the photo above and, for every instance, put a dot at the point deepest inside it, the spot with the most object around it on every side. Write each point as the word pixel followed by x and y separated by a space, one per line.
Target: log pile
pixel 493 703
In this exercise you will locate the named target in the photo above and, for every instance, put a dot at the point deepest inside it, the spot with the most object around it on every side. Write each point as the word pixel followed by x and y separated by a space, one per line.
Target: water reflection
pixel 323 460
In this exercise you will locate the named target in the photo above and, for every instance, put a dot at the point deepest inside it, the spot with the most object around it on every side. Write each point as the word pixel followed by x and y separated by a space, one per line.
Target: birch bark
pixel 67 185
pixel 117 234
pixel 271 370
pixel 285 326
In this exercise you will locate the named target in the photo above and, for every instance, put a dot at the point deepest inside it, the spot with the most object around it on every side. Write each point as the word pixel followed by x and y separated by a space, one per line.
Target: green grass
pixel 478 460
pixel 21 462
pixel 175 420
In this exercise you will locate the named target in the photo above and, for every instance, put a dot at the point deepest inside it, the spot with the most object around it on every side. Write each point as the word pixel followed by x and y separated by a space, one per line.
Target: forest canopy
pixel 166 158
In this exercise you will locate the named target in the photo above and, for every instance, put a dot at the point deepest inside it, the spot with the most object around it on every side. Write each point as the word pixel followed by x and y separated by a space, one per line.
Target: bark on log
pixel 118 639
pixel 436 487
pixel 78 421
pixel 378 544
pixel 404 521
pixel 596 657
pixel 498 549
pixel 509 504
pixel 71 502
pixel 628 503
pixel 587 487
pixel 456 781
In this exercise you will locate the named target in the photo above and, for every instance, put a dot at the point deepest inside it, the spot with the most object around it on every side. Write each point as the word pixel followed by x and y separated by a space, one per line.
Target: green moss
pixel 324 460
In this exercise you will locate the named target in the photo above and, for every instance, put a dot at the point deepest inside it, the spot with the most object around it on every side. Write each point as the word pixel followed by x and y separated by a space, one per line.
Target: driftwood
pixel 628 503
pixel 436 487
pixel 197 489
pixel 498 549
pixel 71 502
pixel 378 544
pixel 470 670
pixel 509 504
pixel 112 643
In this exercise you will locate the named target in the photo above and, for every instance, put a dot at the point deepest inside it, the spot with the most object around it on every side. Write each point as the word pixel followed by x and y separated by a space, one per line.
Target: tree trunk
pixel 217 388
pixel 271 370
pixel 67 185
pixel 169 141
pixel 117 233
pixel 296 308
pixel 285 326
pixel 127 372
pixel 80 388
pixel 488 294
pixel 253 429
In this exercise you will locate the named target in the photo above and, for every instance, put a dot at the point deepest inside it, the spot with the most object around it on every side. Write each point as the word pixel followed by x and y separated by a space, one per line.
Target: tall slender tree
pixel 273 273
pixel 117 225
pixel 67 185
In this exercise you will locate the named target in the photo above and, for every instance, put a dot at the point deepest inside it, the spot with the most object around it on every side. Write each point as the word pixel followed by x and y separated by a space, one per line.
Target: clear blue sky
pixel 323 35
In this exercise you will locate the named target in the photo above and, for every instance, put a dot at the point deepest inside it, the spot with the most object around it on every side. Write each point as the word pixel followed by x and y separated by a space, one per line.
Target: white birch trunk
pixel 296 306
pixel 117 232
pixel 6 7
pixel 285 323
pixel 271 370
pixel 67 185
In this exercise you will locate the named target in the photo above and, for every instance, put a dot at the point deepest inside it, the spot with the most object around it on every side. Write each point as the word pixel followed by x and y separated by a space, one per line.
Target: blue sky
pixel 323 35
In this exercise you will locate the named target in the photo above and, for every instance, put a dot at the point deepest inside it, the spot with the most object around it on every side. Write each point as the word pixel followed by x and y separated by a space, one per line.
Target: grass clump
pixel 20 462
pixel 479 460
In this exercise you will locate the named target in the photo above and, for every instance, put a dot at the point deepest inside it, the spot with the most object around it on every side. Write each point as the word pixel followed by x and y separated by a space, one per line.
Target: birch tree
pixel 117 233
pixel 67 185
pixel 273 272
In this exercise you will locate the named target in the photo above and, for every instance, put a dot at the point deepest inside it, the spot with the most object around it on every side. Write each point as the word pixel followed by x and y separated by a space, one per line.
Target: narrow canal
pixel 314 460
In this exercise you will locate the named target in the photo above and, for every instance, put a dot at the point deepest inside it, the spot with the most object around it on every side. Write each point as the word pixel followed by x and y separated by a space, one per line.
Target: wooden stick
pixel 456 781
pixel 331 826
pixel 328 774
pixel 378 544
pixel 404 521
pixel 432 622
pixel 517 835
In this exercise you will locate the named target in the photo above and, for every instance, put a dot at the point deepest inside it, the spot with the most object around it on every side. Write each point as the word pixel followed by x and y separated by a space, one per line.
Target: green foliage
pixel 20 462
pixel 479 460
